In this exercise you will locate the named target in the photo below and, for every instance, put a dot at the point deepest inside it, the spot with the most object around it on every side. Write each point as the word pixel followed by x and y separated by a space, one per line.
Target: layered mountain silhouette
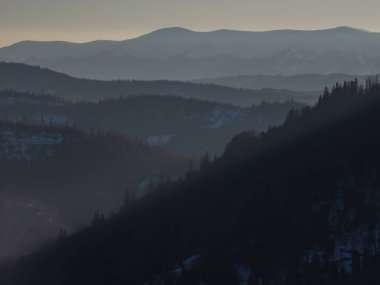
pixel 300 82
pixel 33 79
pixel 297 205
pixel 185 127
pixel 177 53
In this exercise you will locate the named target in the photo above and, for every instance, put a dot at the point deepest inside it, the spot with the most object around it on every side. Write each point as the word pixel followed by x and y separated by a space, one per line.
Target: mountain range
pixel 21 77
pixel 181 54
pixel 183 157
pixel 185 127
pixel 299 83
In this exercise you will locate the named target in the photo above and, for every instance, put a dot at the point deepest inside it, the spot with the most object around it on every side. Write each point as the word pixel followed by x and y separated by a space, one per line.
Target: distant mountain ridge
pixel 33 79
pixel 300 83
pixel 180 36
pixel 177 53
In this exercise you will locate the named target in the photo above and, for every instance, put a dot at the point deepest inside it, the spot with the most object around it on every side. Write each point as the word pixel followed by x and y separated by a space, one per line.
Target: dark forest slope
pixel 297 205
pixel 57 177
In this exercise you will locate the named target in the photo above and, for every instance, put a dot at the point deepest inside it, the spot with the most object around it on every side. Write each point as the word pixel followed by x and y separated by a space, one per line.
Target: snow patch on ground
pixel 159 140
pixel 185 265
pixel 190 262
pixel 243 272
pixel 144 184
pixel 221 117
pixel 28 145
pixel 348 241
pixel 54 119
pixel 13 100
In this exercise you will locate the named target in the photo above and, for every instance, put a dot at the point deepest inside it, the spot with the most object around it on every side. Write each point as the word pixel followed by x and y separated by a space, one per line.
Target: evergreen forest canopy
pixel 298 204
pixel 180 157
pixel 56 177
pixel 185 127
pixel 63 158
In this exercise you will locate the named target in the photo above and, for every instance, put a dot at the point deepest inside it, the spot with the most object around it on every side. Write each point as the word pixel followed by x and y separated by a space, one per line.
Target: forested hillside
pixel 185 127
pixel 298 204
pixel 56 177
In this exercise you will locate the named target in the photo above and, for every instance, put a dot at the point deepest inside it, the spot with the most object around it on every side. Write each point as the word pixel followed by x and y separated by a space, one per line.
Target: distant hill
pixel 301 83
pixel 185 127
pixel 163 54
pixel 33 79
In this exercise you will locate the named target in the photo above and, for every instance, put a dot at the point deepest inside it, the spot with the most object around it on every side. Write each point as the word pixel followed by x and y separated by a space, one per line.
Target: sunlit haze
pixel 86 20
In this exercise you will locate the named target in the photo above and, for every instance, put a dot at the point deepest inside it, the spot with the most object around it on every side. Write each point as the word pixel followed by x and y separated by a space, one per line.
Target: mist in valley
pixel 189 155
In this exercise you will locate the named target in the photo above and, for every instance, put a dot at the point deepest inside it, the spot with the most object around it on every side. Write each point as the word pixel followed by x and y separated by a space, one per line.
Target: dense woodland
pixel 181 54
pixel 56 177
pixel 185 127
pixel 298 204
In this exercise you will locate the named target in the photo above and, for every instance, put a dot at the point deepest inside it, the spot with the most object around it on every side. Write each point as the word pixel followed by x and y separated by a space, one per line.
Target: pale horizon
pixel 88 20
pixel 89 39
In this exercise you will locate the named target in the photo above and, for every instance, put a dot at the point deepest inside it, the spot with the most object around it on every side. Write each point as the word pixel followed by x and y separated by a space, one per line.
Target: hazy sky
pixel 84 20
